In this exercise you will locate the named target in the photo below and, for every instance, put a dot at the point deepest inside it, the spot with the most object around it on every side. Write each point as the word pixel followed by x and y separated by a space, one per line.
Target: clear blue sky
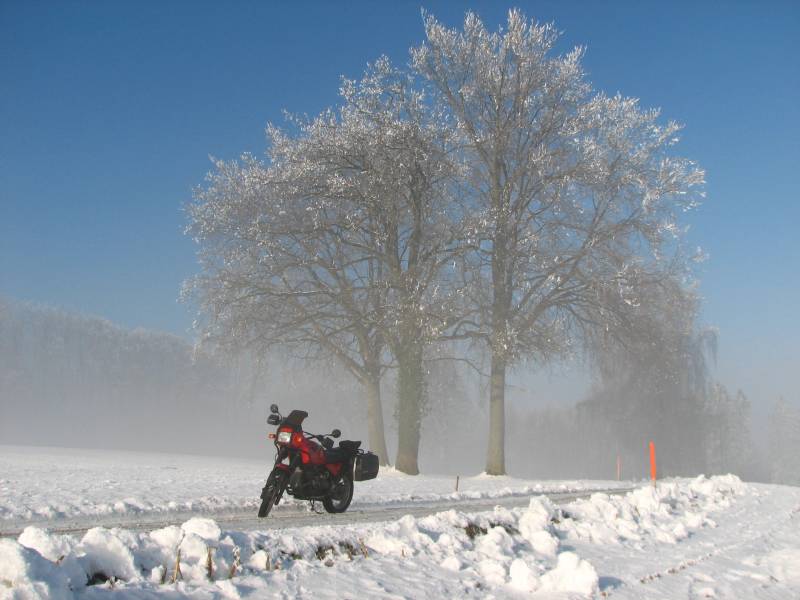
pixel 109 111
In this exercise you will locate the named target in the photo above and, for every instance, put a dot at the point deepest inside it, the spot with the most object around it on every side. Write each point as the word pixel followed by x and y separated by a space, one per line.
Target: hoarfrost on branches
pixel 485 196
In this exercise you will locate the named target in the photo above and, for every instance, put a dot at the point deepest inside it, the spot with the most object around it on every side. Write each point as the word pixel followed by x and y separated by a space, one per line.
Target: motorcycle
pixel 313 470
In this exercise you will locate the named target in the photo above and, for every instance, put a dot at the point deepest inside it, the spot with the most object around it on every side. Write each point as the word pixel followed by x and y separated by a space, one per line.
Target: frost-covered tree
pixel 278 274
pixel 403 183
pixel 652 381
pixel 576 194
pixel 336 246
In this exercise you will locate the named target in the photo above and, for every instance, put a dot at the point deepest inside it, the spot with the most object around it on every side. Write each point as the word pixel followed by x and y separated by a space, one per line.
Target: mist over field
pixel 78 381
pixel 71 380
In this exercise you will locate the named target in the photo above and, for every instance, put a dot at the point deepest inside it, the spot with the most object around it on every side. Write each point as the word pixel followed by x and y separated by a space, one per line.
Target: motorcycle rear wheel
pixel 340 497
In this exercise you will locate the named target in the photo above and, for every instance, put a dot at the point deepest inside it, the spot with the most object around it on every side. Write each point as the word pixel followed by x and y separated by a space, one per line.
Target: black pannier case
pixel 366 467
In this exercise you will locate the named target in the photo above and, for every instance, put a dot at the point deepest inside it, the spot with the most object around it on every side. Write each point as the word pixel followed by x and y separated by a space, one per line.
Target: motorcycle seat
pixel 349 445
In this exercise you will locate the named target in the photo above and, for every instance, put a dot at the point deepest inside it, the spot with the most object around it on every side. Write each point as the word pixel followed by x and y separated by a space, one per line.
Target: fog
pixel 77 381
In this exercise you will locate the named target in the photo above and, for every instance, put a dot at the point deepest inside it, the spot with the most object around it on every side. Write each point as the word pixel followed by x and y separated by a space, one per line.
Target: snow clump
pixel 667 512
pixel 29 575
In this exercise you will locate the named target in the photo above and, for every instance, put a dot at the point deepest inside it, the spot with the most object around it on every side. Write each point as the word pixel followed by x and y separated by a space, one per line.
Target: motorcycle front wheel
pixel 340 497
pixel 271 493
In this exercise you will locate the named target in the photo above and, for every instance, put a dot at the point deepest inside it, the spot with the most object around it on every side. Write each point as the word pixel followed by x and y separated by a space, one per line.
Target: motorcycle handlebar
pixel 319 436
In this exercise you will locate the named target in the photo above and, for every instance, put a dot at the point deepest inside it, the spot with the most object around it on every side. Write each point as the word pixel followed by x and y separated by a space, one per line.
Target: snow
pixel 571 574
pixel 42 484
pixel 24 573
pixel 203 528
pixel 703 538
pixel 684 538
pixel 461 552
pixel 784 565
pixel 667 512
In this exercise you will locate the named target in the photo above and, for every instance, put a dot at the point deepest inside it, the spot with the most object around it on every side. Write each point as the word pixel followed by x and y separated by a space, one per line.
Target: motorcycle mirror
pixel 273 420
pixel 336 433
pixel 273 409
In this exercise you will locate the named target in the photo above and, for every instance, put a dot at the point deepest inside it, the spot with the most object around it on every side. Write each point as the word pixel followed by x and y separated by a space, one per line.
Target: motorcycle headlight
pixel 284 437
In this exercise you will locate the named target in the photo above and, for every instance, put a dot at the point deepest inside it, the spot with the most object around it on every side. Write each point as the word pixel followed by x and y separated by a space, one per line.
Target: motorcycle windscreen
pixel 295 419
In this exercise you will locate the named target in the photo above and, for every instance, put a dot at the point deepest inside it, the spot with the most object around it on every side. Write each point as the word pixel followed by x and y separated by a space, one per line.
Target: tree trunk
pixel 501 304
pixel 410 388
pixel 496 455
pixel 377 439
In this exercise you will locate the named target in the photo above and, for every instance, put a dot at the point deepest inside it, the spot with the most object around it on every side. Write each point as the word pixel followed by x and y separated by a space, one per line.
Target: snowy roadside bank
pixel 40 485
pixel 605 545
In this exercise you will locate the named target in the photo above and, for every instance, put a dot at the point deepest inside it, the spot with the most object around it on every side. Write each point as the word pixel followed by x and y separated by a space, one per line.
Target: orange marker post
pixel 619 468
pixel 653 462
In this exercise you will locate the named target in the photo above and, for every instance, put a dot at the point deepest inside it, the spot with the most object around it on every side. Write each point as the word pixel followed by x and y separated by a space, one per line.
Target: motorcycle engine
pixel 310 483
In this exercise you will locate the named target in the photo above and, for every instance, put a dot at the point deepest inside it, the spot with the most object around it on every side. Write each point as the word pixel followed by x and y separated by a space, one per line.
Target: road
pixel 291 516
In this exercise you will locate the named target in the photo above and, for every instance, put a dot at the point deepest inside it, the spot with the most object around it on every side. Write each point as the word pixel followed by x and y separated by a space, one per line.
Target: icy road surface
pixel 299 515
pixel 58 487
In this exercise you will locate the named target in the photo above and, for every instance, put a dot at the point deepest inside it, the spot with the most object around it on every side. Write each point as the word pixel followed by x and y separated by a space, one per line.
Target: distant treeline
pixel 68 379
pixel 73 380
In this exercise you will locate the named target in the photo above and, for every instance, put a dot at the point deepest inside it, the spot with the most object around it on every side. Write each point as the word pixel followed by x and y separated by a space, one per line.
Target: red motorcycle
pixel 313 471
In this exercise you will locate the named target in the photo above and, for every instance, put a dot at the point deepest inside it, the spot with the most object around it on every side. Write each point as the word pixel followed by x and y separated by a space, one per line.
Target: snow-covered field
pixel 685 538
pixel 46 484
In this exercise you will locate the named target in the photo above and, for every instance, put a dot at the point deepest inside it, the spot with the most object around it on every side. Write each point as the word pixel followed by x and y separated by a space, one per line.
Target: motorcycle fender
pixel 279 475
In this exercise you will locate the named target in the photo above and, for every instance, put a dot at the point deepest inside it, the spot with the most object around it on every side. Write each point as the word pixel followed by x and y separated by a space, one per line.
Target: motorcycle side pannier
pixel 366 467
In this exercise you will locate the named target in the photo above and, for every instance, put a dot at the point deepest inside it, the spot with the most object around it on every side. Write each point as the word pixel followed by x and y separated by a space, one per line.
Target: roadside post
pixel 653 462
